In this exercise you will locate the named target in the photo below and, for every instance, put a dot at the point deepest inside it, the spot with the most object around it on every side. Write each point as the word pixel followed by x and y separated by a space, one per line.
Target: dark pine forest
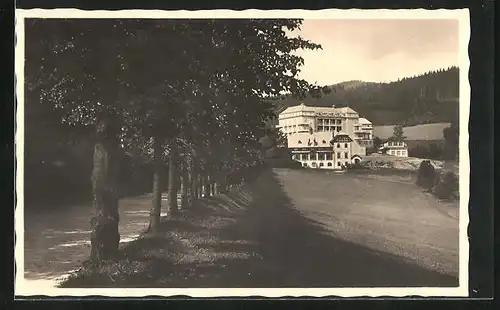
pixel 428 98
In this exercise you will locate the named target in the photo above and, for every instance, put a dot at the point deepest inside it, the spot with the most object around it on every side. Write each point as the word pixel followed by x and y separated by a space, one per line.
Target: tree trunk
pixel 222 188
pixel 155 213
pixel 199 188
pixel 205 185
pixel 105 237
pixel 184 188
pixel 202 184
pixel 194 181
pixel 172 180
pixel 212 185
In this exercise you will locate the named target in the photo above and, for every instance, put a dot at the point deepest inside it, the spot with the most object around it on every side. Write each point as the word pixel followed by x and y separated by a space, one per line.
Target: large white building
pixel 325 137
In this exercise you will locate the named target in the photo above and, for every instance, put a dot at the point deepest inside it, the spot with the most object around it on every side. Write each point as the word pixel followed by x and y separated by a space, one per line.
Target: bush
pixel 426 175
pixel 355 166
pixel 446 186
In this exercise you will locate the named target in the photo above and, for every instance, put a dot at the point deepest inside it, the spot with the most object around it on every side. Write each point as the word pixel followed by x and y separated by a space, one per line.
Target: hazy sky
pixel 377 50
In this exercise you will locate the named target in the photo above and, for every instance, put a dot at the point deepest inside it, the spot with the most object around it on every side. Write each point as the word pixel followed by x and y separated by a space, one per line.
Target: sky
pixel 377 50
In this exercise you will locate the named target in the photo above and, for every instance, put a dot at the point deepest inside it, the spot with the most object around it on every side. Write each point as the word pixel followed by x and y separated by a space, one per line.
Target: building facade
pixel 394 148
pixel 325 137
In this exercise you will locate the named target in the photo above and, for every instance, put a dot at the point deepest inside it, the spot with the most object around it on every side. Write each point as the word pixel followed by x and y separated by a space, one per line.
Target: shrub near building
pixel 426 175
pixel 446 186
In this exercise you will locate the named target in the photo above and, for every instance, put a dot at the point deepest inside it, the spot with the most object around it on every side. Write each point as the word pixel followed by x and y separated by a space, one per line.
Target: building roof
pixel 341 135
pixel 296 108
pixel 302 107
pixel 363 120
pixel 305 137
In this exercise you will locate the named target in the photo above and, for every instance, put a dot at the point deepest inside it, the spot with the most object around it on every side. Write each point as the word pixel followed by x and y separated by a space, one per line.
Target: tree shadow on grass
pixel 265 242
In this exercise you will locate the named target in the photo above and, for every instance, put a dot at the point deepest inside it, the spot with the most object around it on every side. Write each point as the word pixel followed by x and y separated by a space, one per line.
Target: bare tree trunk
pixel 199 191
pixel 202 184
pixel 222 188
pixel 215 187
pixel 172 180
pixel 212 185
pixel 105 237
pixel 194 181
pixel 184 188
pixel 154 215
pixel 205 185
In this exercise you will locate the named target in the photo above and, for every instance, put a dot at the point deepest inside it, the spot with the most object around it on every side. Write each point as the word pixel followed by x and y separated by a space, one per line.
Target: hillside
pixel 428 98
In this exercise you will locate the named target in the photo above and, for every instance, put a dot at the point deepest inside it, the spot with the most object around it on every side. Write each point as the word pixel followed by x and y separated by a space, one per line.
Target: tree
pixel 176 100
pixel 451 137
pixel 398 132
pixel 377 142
pixel 64 71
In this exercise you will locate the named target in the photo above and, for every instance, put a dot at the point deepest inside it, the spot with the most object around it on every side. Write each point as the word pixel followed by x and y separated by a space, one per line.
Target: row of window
pixel 346 145
pixel 328 164
pixel 397 153
pixel 327 121
pixel 395 143
pixel 319 156
pixel 329 128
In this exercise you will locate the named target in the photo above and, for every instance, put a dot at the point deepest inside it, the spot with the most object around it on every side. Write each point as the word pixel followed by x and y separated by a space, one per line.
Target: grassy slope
pixel 259 237
pixel 418 132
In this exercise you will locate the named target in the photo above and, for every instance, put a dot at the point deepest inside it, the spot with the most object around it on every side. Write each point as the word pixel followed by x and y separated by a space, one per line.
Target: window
pixel 345 145
pixel 346 155
pixel 321 164
pixel 328 156
pixel 338 164
pixel 329 164
pixel 304 164
pixel 339 121
pixel 300 142
pixel 339 128
pixel 338 145
pixel 320 128
pixel 321 156
pixel 324 142
pixel 338 155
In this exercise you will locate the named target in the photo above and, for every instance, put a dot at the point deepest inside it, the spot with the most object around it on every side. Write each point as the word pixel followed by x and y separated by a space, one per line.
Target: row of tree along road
pixel 190 95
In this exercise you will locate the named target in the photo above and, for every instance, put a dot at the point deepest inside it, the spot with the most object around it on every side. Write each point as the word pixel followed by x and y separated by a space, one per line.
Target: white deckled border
pixel 24 287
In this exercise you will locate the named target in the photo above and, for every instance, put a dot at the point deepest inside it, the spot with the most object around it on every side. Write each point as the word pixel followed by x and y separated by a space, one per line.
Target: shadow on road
pixel 253 238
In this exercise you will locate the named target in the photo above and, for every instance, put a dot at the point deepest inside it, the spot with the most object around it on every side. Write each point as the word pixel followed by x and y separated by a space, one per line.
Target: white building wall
pixel 298 122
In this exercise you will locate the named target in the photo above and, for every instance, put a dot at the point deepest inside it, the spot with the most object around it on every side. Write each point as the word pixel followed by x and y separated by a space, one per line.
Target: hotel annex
pixel 325 137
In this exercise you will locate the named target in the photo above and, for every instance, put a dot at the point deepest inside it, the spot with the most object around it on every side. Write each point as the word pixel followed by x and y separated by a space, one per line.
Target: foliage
pixel 432 151
pixel 398 133
pixel 377 142
pixel 446 186
pixel 451 137
pixel 426 175
pixel 187 94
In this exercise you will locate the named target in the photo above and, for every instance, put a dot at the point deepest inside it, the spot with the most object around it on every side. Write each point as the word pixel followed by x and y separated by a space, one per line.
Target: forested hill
pixel 428 98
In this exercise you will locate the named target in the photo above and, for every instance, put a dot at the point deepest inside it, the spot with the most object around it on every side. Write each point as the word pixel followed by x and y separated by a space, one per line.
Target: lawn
pixel 290 228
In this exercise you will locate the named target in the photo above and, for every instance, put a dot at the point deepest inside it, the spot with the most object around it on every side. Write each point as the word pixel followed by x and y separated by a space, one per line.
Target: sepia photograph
pixel 242 153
